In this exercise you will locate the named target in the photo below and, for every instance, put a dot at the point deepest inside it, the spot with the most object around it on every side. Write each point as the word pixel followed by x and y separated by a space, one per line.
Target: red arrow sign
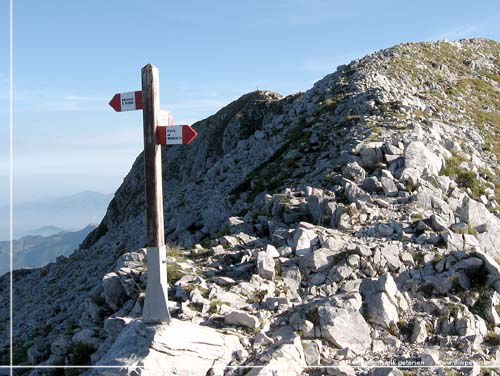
pixel 127 101
pixel 175 135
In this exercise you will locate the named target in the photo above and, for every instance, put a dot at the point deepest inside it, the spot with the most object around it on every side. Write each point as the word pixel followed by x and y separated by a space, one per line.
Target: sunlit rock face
pixel 353 223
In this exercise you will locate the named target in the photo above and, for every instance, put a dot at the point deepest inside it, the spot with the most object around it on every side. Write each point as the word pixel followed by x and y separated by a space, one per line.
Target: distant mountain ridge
pixel 34 250
pixel 69 213
pixel 44 231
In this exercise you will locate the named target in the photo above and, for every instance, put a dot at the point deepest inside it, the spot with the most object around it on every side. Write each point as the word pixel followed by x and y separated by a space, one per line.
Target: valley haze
pixel 66 213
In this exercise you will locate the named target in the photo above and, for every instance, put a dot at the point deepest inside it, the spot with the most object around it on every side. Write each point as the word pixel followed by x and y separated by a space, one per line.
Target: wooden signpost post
pixel 158 130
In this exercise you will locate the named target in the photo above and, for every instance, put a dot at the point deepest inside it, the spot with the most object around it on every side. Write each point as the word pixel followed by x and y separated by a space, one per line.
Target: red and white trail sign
pixel 127 101
pixel 175 135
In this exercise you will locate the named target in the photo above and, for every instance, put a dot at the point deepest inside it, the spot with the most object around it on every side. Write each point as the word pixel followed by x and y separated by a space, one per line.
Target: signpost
pixel 158 130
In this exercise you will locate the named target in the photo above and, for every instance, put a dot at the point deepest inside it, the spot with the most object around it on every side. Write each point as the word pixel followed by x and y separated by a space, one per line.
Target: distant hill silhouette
pixel 44 231
pixel 34 250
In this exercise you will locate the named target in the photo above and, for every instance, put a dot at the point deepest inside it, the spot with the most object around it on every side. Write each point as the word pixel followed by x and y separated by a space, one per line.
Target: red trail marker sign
pixel 175 135
pixel 158 130
pixel 127 101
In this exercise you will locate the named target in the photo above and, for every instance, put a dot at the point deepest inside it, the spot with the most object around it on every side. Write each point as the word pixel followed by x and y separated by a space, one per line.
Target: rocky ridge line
pixel 354 223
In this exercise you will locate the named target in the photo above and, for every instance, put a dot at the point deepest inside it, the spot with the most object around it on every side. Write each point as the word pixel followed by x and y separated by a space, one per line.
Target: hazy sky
pixel 70 57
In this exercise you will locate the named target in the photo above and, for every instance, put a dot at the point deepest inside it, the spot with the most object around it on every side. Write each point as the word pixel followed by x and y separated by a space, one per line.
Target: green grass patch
pixel 257 296
pixel 176 252
pixel 353 118
pixel 471 230
pixel 463 178
pixel 417 256
pixel 174 272
pixel 216 304
pixel 437 258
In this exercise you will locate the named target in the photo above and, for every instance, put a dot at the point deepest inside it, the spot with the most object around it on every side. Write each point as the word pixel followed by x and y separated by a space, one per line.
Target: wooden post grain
pixel 155 308
pixel 152 156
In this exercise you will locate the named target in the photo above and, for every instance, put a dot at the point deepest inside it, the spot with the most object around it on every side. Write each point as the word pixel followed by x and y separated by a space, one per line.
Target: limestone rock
pixel 339 272
pixel 321 259
pixel 387 372
pixel 272 251
pixel 477 215
pixel 114 292
pixel 168 349
pixel 371 154
pixel 344 328
pixel 265 265
pixel 419 334
pixel 353 171
pixel 303 239
pixel 38 352
pixel 391 252
pixel 282 359
pixel 388 186
pixel 419 157
pixel 85 337
pixel 292 277
pixel 114 325
pixel 380 310
pixel 474 213
pixel 312 352
pixel 241 318
pixel 61 346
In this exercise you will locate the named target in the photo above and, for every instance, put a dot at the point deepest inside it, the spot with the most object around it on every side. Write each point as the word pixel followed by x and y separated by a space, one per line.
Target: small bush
pixel 81 354
pixel 471 230
pixel 463 178
pixel 257 296
pixel 175 252
pixel 216 304
pixel 418 257
pixel 427 291
pixel 20 356
pixel 437 258
pixel 328 105
pixel 405 328
pixel 174 272
pixel 353 117
pixel 455 282
pixel 492 339
pixel 454 309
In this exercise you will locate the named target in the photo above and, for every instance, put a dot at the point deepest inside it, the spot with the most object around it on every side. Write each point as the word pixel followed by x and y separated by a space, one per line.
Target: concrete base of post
pixel 156 302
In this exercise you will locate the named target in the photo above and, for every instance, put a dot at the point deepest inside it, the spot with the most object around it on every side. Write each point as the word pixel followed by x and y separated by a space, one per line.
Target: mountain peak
pixel 358 220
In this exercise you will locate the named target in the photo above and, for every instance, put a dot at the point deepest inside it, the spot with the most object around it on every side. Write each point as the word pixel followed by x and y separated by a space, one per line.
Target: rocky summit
pixel 327 232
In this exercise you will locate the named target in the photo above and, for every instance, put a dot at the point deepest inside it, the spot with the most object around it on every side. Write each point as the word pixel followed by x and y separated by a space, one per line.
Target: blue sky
pixel 70 57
